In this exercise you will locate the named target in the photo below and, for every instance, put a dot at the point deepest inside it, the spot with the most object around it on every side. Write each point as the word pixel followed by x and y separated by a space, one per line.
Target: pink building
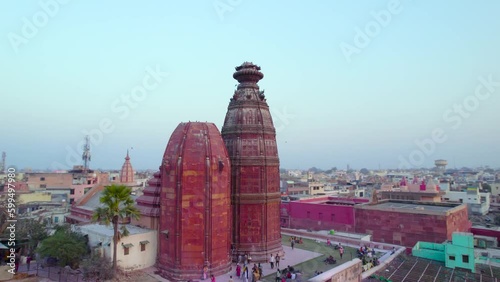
pixel 415 191
pixel 75 183
pixel 320 213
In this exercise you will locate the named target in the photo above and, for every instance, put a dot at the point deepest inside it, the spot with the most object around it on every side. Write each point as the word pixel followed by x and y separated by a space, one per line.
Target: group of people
pixel 338 247
pixel 17 261
pixel 274 260
pixel 367 256
pixel 330 260
pixel 288 273
pixel 243 272
pixel 366 251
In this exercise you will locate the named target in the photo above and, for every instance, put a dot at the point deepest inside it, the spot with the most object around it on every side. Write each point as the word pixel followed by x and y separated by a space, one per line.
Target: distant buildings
pixel 495 192
pixel 74 183
pixel 415 191
pixel 477 202
pixel 83 208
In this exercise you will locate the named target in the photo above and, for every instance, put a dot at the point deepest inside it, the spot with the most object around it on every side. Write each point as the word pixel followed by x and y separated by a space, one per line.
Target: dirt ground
pixel 134 276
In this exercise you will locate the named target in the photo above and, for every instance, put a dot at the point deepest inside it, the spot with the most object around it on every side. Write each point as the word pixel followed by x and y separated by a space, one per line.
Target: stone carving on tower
pixel 250 139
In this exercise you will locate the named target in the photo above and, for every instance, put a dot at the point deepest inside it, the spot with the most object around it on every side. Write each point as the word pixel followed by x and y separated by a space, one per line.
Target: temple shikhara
pixel 217 195
pixel 250 138
pixel 127 172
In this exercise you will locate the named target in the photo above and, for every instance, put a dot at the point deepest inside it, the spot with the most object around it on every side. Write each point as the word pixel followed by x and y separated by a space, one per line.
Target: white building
pixel 477 203
pixel 316 188
pixel 495 192
pixel 136 251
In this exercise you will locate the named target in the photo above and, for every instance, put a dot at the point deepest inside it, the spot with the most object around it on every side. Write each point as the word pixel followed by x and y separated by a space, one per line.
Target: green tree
pixel 497 219
pixel 31 232
pixel 486 187
pixel 3 218
pixel 116 205
pixel 67 246
pixel 364 171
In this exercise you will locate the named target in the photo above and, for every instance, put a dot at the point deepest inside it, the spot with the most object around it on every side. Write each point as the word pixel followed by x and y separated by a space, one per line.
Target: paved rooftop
pixel 94 201
pixel 108 230
pixel 410 206
pixel 292 257
pixel 409 269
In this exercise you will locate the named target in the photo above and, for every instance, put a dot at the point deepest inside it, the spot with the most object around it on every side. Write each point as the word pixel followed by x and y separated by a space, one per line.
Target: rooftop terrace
pixel 409 269
pixel 108 230
pixel 410 206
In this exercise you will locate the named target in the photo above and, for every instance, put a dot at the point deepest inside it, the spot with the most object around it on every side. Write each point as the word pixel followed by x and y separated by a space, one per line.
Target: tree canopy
pixel 31 232
pixel 486 187
pixel 66 246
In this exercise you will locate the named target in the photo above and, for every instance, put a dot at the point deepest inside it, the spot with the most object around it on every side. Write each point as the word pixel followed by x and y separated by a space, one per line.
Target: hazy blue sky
pixel 347 83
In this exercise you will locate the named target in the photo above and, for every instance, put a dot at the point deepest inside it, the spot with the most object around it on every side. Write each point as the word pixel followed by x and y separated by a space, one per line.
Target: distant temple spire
pixel 403 182
pixel 127 173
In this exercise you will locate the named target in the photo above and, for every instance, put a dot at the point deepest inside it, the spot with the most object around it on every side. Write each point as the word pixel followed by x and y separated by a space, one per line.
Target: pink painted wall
pixel 312 216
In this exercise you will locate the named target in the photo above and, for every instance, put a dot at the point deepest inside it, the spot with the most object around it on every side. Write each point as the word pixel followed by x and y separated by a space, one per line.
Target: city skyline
pixel 383 84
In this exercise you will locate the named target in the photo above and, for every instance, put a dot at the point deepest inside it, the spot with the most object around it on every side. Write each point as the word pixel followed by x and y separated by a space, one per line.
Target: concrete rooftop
pixel 108 230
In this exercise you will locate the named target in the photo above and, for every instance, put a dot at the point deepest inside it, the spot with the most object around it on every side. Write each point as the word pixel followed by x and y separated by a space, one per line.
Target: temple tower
pixel 195 210
pixel 127 173
pixel 149 204
pixel 250 139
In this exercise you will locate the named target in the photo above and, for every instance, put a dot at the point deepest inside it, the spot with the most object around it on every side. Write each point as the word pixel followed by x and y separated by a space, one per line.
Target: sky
pixel 369 84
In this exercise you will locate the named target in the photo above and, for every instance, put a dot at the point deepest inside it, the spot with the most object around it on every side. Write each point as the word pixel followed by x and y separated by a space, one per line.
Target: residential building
pixel 316 188
pixel 135 251
pixel 75 183
pixel 477 202
pixel 457 253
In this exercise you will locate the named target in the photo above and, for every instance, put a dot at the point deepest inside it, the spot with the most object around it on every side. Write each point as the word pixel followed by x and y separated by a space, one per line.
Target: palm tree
pixel 116 205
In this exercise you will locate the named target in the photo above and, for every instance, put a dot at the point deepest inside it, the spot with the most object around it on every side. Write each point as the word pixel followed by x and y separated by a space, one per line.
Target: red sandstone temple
pixel 216 190
pixel 250 138
pixel 127 172
pixel 195 215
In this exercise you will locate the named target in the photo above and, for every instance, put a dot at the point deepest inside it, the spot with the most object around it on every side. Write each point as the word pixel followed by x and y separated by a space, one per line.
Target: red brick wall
pixel 458 221
pixel 399 228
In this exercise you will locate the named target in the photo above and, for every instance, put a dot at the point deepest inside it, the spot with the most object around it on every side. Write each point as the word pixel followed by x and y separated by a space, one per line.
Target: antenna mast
pixel 86 154
pixel 2 165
